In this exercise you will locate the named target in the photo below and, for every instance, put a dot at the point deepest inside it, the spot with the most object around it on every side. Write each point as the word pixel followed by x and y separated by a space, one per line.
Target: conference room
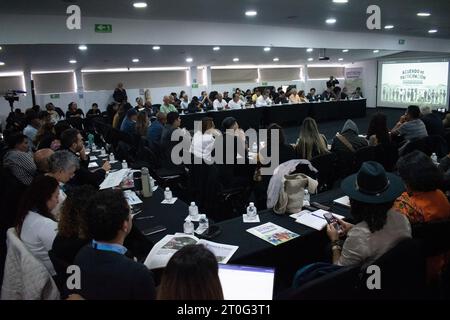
pixel 245 151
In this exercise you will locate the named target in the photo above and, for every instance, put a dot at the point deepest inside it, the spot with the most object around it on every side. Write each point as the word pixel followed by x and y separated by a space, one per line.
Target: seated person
pixel 106 273
pixel 236 103
pixel 256 95
pixel 73 111
pixel 140 104
pixel 329 94
pixel 378 132
pixel 33 125
pixel 166 107
pixel 36 225
pixel 129 122
pixel 156 128
pixel 220 103
pixel 310 142
pixel 285 151
pixel 203 141
pixel 294 98
pixel 173 99
pixel 303 99
pixel 194 106
pixel 93 112
pixel 184 102
pixel 282 99
pixel 410 126
pixel 264 100
pixel 72 141
pixel 191 274
pixel 357 94
pixel 18 160
pixel 312 95
pixel 226 96
pixel 45 134
pixel 172 125
pixel 372 193
pixel 54 115
pixel 432 122
pixel 339 95
pixel 41 159
pixel 205 101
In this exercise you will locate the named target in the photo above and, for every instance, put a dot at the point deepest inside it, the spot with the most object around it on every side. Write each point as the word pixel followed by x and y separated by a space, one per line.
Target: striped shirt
pixel 21 165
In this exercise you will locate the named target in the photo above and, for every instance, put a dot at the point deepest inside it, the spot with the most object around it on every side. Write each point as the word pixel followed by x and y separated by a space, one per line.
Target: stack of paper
pixel 272 233
pixel 344 201
pixel 114 179
pixel 315 219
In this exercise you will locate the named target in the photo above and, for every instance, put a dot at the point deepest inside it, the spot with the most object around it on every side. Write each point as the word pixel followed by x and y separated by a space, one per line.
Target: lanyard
pixel 109 247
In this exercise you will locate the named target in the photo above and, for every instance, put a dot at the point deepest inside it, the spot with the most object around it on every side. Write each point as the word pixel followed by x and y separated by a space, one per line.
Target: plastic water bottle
pixel 193 211
pixel 254 147
pixel 188 227
pixel 203 223
pixel 103 152
pixel 91 139
pixel 434 158
pixel 167 194
pixel 251 211
pixel 145 177
pixel 124 164
pixel 94 147
pixel 306 198
pixel 111 157
pixel 152 183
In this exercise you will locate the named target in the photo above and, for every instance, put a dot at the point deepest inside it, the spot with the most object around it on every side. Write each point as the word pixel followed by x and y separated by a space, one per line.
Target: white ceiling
pixel 306 13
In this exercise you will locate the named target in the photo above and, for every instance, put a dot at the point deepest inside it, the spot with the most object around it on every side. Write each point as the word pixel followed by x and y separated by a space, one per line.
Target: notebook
pixel 315 219
pixel 246 283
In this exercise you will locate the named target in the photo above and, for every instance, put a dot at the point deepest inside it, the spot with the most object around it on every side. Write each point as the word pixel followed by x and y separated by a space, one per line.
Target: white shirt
pixel 236 105
pixel 202 145
pixel 261 102
pixel 61 197
pixel 217 105
pixel 37 234
pixel 184 105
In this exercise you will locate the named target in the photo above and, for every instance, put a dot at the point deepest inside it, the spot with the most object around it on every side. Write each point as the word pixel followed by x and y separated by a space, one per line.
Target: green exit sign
pixel 264 83
pixel 401 41
pixel 103 28
pixel 54 96
pixel 195 86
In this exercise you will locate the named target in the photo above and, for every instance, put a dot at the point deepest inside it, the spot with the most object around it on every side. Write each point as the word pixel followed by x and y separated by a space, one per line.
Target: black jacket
pixel 120 95
pixel 83 176
pixel 434 125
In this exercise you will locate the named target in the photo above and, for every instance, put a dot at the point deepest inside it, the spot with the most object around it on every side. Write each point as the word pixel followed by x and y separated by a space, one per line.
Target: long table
pixel 257 117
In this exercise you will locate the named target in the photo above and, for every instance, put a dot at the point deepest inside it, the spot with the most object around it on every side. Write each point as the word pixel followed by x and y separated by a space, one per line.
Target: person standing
pixel 120 94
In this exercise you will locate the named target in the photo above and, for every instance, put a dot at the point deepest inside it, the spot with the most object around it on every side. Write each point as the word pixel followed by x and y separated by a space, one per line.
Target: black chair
pixel 428 145
pixel 387 155
pixel 362 155
pixel 326 165
pixel 435 236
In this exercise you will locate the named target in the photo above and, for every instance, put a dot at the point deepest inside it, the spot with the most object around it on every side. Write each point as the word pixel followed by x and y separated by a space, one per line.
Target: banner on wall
pixel 353 79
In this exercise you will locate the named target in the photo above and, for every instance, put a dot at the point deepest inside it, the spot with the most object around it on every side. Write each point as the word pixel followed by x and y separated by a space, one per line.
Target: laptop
pixel 246 283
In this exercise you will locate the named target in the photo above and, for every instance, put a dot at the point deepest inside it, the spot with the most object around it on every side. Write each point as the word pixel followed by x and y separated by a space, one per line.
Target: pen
pixel 142 218
pixel 315 215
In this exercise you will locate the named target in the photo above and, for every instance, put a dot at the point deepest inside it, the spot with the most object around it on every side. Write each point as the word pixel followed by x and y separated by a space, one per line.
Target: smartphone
pixel 320 206
pixel 334 222
pixel 153 230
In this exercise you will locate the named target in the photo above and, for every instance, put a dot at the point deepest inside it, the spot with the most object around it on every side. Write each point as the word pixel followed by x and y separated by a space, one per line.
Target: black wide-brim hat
pixel 372 184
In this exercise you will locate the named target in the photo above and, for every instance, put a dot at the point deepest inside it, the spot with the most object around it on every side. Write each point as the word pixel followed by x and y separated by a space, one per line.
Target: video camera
pixel 11 96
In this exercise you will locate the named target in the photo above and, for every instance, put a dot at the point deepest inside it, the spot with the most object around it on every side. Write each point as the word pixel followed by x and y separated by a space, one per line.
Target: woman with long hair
pixel 378 132
pixel 310 142
pixel 142 124
pixel 45 136
pixel 191 274
pixel 36 225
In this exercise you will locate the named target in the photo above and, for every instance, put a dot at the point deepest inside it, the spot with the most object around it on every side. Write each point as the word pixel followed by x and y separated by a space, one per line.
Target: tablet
pixel 246 283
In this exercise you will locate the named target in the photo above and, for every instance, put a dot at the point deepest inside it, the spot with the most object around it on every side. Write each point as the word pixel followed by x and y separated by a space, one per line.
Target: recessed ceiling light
pixel 236 60
pixel 267 49
pixel 345 50
pixel 189 60
pixel 309 50
pixel 2 63
pixel 82 47
pixel 432 31
pixel 251 13
pixel 72 61
pixel 376 51
pixel 216 48
pixel 340 1
pixel 156 47
pixel 310 59
pixel 1 48
pixel 276 59
pixel 389 27
pixel 341 59
pixel 424 14
pixel 140 5
pixel 135 60
pixel 331 21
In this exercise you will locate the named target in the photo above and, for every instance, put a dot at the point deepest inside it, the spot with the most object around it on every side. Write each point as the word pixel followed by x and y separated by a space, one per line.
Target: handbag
pixel 290 198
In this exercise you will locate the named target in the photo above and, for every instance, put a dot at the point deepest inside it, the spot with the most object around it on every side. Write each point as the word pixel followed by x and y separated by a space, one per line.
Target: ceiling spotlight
pixel 376 51
pixel 72 61
pixel 2 63
pixel 267 49
pixel 140 5
pixel 345 50
pixel 189 60
pixel 82 47
pixel 341 59
pixel 331 21
pixel 309 50
pixel 156 48
pixel 236 60
pixel 432 31
pixel 251 13
pixel 389 27
pixel 276 59
pixel 1 48
pixel 310 59
pixel 423 14
pixel 135 60
pixel 216 48
pixel 340 1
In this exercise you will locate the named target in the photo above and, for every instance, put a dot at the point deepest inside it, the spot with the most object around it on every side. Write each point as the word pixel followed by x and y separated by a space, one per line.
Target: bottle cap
pixel 192 204
pixel 252 204
pixel 167 189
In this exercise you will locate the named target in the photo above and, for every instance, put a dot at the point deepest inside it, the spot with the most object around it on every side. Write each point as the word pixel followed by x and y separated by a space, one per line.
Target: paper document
pixel 272 233
pixel 299 214
pixel 161 253
pixel 254 220
pixel 344 201
pixel 132 197
pixel 93 158
pixel 114 179
pixel 92 165
pixel 171 201
pixel 315 219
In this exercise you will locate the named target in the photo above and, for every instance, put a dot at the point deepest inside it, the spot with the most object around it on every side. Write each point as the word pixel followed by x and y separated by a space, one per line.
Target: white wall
pixel 370 69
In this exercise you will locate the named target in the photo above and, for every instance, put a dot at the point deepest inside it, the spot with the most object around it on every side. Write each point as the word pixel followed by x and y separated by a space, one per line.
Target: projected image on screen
pixel 423 83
